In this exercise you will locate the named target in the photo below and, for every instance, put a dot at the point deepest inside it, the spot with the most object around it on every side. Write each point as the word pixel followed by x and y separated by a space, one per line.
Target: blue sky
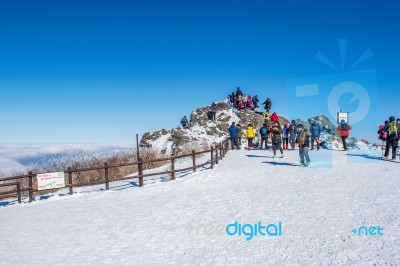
pixel 102 71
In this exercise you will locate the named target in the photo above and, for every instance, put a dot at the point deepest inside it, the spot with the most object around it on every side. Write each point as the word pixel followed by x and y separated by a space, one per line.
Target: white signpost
pixel 342 116
pixel 50 180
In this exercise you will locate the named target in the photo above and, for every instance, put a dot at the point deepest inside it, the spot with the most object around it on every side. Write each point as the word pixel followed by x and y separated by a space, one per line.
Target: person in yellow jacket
pixel 250 134
pixel 266 116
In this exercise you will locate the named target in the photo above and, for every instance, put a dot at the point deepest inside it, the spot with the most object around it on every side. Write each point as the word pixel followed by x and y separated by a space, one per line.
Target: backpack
pixel 392 129
pixel 381 134
pixel 345 127
pixel 264 131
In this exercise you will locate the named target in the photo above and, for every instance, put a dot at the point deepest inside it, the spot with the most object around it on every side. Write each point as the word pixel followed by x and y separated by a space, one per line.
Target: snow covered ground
pixel 183 222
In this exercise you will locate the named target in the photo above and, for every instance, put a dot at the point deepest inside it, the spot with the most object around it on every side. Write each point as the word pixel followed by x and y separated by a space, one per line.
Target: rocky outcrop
pixel 326 125
pixel 203 131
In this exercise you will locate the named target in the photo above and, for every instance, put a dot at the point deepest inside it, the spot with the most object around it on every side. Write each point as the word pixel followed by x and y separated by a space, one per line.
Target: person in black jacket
pixel 239 92
pixel 255 102
pixel 292 134
pixel 303 139
pixel 268 104
pixel 392 137
pixel 276 138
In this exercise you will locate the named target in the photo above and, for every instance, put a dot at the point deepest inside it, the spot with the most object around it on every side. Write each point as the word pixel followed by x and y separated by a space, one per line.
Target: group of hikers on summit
pixel 289 135
pixel 241 101
pixel 281 136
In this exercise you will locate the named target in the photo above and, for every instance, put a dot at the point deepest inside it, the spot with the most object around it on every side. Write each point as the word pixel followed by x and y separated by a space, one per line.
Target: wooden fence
pixel 16 183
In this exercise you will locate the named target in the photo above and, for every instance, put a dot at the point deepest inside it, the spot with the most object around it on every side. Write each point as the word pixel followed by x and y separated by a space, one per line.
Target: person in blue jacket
pixel 233 133
pixel 184 121
pixel 315 130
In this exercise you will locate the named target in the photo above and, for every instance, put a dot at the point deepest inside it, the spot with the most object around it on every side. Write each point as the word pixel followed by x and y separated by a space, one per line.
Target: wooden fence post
pixel 225 148
pixel 140 171
pixel 106 176
pixel 19 193
pixel 30 176
pixel 221 153
pixel 194 160
pixel 212 157
pixel 216 154
pixel 173 167
pixel 71 189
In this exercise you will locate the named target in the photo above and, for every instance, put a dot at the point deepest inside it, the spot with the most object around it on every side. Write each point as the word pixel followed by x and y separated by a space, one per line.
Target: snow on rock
pixel 201 131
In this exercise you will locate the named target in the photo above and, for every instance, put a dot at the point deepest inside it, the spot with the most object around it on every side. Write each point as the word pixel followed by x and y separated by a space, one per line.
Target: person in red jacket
pixel 274 118
pixel 344 129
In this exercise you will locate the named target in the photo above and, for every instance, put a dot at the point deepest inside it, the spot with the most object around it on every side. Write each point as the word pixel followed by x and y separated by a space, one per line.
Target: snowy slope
pixel 183 222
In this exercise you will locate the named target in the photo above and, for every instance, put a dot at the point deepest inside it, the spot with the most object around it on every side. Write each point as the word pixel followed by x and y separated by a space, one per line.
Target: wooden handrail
pixel 217 153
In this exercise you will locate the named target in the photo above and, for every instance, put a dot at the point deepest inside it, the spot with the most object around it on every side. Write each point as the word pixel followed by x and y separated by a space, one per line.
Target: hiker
pixel 240 105
pixel 249 102
pixel 274 117
pixel 276 138
pixel 269 127
pixel 343 129
pixel 292 134
pixel 382 134
pixel 184 121
pixel 303 139
pixel 238 92
pixel 285 136
pixel 213 111
pixel 250 134
pixel 228 101
pixel 234 100
pixel 233 133
pixel 266 116
pixel 244 99
pixel 392 137
pixel 264 136
pixel 255 101
pixel 240 134
pixel 267 104
pixel 315 130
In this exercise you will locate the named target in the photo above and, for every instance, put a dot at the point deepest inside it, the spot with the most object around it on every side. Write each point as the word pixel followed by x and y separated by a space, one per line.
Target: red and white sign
pixel 51 180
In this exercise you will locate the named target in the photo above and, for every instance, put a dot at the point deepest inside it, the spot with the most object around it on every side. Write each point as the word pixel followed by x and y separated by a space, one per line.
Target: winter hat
pixel 285 125
pixel 293 121
pixel 398 119
pixel 391 119
pixel 300 126
pixel 233 123
pixel 342 121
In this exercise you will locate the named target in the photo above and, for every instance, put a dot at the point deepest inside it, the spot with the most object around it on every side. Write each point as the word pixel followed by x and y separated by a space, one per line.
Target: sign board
pixel 342 116
pixel 50 180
